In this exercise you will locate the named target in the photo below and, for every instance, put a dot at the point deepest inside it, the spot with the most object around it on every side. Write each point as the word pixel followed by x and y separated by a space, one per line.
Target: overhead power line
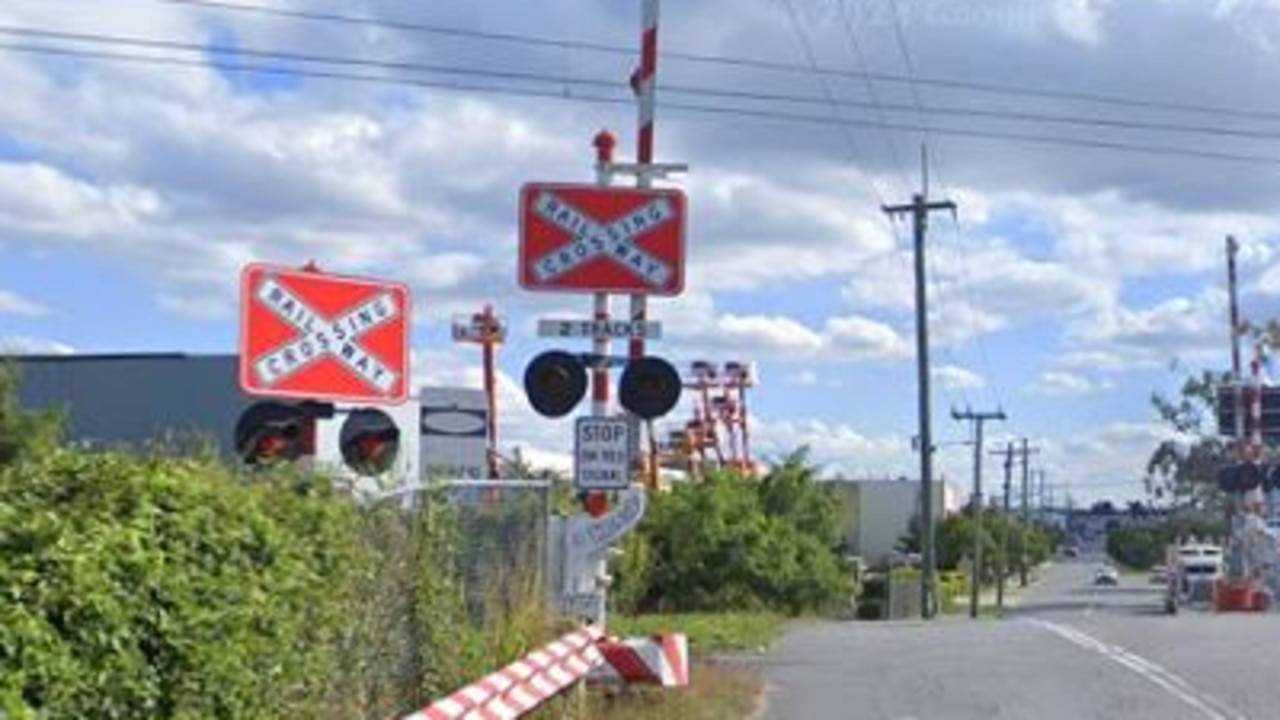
pixel 851 142
pixel 563 93
pixel 828 99
pixel 979 86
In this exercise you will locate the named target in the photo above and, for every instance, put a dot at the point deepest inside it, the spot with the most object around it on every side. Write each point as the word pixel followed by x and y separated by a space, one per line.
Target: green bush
pixel 161 587
pixel 1141 546
pixel 736 543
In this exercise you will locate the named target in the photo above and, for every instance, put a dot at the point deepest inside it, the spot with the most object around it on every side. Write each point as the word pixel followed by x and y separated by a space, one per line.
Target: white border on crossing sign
pixel 318 337
pixel 615 239
pixel 602 464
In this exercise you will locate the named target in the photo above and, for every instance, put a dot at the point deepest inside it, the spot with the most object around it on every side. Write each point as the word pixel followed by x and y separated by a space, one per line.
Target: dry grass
pixel 716 692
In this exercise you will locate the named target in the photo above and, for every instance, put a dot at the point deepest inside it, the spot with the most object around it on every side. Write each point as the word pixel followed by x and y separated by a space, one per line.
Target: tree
pixel 734 542
pixel 1183 469
pixel 23 434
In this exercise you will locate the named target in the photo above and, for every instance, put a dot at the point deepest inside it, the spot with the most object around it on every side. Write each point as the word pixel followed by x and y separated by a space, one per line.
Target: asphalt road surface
pixel 1069 652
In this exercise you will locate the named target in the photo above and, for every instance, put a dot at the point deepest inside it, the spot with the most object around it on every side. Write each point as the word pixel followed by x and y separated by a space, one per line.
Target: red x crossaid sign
pixel 314 335
pixel 588 238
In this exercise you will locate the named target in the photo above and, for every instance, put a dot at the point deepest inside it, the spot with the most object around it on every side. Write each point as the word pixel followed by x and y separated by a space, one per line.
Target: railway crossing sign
pixel 309 334
pixel 590 238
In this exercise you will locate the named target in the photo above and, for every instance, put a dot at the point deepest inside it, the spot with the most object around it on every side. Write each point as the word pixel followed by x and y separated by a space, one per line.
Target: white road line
pixel 1209 706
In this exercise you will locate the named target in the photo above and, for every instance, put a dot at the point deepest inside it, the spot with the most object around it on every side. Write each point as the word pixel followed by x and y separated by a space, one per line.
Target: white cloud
pixel 768 333
pixel 24 345
pixel 841 450
pixel 804 378
pixel 864 338
pixel 40 200
pixel 1058 383
pixel 1181 327
pixel 13 304
pixel 954 377
pixel 1081 20
pixel 1108 462
pixel 1111 360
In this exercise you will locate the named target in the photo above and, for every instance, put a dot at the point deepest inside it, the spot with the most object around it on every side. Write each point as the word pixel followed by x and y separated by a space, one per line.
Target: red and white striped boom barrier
pixel 527 683
pixel 524 685
pixel 658 660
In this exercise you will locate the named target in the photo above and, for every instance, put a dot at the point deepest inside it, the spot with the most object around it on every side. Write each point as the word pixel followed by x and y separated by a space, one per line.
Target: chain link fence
pixel 458 587
pixel 502 530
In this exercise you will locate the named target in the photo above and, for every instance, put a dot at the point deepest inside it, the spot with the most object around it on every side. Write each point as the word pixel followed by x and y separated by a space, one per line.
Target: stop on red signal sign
pixel 589 238
pixel 313 335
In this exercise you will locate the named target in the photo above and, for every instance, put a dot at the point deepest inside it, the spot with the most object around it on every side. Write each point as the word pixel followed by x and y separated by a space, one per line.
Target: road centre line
pixel 1209 706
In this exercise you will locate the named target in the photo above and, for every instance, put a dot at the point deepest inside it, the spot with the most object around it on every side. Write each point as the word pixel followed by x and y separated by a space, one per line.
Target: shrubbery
pixel 736 543
pixel 1141 546
pixel 162 587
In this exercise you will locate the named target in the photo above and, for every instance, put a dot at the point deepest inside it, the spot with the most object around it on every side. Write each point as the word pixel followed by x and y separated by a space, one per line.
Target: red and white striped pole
pixel 1237 378
pixel 643 83
pixel 604 143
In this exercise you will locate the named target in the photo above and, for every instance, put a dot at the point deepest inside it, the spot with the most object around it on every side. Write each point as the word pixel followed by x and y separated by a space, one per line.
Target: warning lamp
pixel 274 432
pixel 369 441
pixel 555 382
pixel 650 387
pixel 1240 478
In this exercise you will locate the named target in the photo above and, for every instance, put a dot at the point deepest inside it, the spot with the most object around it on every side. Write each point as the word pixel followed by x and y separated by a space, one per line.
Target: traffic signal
pixel 555 382
pixel 369 442
pixel 1248 476
pixel 650 387
pixel 270 432
pixel 1270 401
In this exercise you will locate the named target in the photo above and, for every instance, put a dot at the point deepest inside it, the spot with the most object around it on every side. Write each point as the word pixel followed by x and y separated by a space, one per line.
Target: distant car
pixel 1070 551
pixel 1106 575
pixel 1159 575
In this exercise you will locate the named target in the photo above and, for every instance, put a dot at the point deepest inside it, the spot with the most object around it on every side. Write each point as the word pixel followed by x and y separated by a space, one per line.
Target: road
pixel 1069 652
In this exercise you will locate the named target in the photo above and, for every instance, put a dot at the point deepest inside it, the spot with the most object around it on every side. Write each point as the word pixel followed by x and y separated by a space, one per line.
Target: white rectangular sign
pixel 651 330
pixel 455 441
pixel 602 454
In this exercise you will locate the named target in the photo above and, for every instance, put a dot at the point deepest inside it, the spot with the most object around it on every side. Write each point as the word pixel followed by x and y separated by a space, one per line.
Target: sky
pixel 149 149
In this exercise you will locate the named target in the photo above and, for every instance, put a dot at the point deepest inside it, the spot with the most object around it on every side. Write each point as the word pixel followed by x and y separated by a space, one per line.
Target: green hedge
pixel 734 543
pixel 159 587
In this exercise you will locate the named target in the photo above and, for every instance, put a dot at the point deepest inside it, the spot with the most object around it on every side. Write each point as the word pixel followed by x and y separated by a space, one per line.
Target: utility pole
pixel 1025 451
pixel 1004 525
pixel 919 209
pixel 977 419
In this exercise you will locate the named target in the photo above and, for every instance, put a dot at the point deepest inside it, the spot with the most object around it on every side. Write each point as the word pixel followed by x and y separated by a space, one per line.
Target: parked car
pixel 1106 575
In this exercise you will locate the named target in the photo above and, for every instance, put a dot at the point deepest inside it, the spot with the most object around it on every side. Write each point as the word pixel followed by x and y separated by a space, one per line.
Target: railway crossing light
pixel 271 432
pixel 555 383
pixel 369 441
pixel 1242 477
pixel 650 387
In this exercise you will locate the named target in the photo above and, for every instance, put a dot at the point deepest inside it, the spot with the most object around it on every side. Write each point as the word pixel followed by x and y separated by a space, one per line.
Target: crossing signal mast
pixel 488 331
pixel 326 354
pixel 1252 546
